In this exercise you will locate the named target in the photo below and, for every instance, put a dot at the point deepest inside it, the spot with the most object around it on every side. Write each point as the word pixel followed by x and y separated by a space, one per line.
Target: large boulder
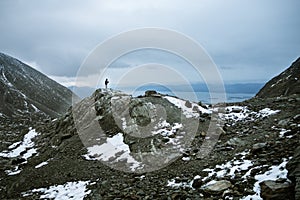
pixel 217 187
pixel 273 190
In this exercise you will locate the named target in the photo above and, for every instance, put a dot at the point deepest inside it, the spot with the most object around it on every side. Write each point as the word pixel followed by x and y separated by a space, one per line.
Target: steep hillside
pixel 284 84
pixel 23 89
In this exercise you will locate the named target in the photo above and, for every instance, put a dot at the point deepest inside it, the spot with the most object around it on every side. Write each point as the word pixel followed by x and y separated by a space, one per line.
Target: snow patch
pixel 230 168
pixel 193 112
pixel 240 113
pixel 266 112
pixel 19 147
pixel 15 171
pixel 113 148
pixel 35 108
pixel 174 184
pixel 283 131
pixel 165 129
pixel 41 164
pixel 186 158
pixel 6 80
pixel 70 190
pixel 275 172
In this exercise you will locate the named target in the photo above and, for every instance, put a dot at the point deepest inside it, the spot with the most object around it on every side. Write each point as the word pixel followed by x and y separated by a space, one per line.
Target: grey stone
pixel 197 183
pixel 236 110
pixel 275 190
pixel 283 123
pixel 217 187
pixel 257 147
pixel 188 104
pixel 296 117
pixel 235 142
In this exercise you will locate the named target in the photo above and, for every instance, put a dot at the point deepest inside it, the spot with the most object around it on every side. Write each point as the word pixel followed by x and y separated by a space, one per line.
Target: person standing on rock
pixel 106 83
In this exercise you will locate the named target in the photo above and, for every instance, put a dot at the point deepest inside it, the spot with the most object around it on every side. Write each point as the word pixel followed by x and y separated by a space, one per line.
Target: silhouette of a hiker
pixel 106 83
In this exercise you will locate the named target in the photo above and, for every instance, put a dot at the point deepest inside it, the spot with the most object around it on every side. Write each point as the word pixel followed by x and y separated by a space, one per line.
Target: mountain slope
pixel 24 89
pixel 284 84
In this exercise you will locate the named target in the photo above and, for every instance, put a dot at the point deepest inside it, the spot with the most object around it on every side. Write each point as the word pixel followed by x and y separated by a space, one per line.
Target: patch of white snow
pixel 41 164
pixel 113 148
pixel 192 112
pixel 70 190
pixel 273 174
pixel 20 147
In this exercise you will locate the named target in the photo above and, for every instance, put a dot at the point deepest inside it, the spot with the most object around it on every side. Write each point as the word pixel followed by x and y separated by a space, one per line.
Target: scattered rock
pixel 197 183
pixel 220 131
pixel 283 123
pixel 66 136
pixel 203 133
pixel 188 104
pixel 257 147
pixel 217 187
pixel 296 118
pixel 236 110
pixel 235 142
pixel 272 190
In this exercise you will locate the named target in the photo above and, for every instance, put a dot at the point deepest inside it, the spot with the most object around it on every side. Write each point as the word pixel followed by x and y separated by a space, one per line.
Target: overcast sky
pixel 249 40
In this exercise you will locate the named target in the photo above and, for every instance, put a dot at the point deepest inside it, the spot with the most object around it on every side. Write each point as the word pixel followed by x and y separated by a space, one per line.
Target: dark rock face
pixel 284 84
pixel 276 190
pixel 23 89
pixel 293 168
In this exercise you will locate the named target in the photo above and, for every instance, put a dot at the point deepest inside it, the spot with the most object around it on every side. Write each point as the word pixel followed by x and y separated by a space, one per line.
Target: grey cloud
pixel 243 36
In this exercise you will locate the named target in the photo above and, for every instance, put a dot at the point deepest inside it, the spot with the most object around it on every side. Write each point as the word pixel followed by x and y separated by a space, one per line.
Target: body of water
pixel 205 97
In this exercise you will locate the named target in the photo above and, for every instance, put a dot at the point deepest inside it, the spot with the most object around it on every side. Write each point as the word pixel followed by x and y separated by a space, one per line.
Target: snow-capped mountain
pixel 24 89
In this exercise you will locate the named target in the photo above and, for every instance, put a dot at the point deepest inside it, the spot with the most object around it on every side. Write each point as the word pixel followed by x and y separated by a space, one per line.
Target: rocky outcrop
pixel 285 84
